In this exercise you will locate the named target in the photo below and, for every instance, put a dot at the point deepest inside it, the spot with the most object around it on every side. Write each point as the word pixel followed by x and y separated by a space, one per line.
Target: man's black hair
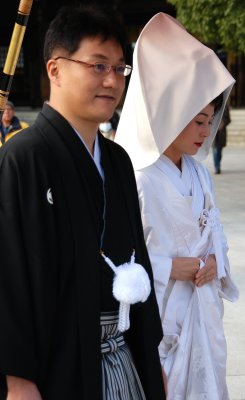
pixel 74 23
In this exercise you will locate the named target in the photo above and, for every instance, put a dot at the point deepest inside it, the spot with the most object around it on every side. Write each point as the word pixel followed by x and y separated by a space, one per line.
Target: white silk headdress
pixel 174 77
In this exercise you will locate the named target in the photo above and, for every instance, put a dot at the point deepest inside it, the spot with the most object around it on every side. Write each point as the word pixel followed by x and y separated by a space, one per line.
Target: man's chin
pixel 105 117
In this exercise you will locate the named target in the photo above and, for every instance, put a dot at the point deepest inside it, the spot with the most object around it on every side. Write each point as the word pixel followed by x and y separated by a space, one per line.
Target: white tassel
pixel 123 322
pixel 131 285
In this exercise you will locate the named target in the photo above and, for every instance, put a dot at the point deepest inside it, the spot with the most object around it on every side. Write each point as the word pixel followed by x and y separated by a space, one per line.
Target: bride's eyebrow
pixel 205 115
pixel 202 113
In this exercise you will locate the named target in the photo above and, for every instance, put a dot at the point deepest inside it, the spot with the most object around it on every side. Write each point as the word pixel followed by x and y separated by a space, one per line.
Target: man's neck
pixel 85 128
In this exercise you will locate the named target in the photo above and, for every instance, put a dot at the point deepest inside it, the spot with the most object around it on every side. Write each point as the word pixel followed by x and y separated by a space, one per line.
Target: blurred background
pixel 219 24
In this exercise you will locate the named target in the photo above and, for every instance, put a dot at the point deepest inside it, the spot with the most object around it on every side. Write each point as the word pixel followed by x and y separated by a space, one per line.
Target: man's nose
pixel 112 79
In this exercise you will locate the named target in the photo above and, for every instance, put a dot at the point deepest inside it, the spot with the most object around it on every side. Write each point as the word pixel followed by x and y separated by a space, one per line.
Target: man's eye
pixel 199 123
pixel 120 69
pixel 100 67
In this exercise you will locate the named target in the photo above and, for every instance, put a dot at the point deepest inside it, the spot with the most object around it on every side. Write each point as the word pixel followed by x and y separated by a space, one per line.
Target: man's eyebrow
pixel 104 58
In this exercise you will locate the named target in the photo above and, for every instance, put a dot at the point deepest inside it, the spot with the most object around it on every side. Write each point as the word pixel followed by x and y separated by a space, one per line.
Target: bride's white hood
pixel 174 77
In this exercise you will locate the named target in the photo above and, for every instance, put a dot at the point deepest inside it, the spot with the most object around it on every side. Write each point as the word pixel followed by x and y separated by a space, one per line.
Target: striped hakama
pixel 120 380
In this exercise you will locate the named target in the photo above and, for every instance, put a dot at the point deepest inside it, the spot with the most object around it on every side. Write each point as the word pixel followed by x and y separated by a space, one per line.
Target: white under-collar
pixel 97 153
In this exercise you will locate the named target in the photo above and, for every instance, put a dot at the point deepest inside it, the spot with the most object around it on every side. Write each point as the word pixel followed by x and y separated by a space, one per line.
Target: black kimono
pixel 53 281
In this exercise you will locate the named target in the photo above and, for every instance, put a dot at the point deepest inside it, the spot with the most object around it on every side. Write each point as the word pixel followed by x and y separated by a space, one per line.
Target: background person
pixel 220 140
pixel 174 104
pixel 109 128
pixel 10 123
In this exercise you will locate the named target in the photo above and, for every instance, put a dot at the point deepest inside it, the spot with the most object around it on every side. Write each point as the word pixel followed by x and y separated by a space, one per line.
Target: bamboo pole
pixel 13 52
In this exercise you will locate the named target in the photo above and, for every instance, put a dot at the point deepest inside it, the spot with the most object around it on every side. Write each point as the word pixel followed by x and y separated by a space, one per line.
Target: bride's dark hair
pixel 217 103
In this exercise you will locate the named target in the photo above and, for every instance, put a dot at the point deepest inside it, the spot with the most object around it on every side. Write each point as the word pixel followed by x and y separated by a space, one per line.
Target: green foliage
pixel 218 22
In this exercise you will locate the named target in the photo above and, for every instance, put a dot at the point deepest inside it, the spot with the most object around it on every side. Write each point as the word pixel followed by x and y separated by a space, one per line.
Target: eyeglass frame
pixel 108 68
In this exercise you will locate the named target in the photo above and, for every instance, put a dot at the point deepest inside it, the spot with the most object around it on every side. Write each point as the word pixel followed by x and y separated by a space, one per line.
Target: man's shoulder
pixel 23 145
pixel 118 150
pixel 25 136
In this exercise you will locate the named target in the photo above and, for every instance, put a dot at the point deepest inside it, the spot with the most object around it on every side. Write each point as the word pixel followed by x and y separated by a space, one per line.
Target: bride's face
pixel 193 135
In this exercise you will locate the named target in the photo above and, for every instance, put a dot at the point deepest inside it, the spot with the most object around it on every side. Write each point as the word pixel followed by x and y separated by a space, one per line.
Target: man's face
pixel 7 114
pixel 87 95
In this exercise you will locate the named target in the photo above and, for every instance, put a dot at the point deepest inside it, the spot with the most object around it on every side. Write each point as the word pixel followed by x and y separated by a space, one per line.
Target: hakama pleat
pixel 120 380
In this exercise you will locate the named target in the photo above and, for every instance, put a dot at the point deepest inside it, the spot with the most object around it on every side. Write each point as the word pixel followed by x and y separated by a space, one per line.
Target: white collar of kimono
pixel 186 181
pixel 180 178
pixel 97 153
pixel 174 77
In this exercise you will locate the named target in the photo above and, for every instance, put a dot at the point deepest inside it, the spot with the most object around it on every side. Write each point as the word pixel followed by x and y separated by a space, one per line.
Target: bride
pixel 175 101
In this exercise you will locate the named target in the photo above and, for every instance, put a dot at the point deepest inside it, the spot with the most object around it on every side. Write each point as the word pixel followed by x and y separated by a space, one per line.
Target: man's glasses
pixel 103 68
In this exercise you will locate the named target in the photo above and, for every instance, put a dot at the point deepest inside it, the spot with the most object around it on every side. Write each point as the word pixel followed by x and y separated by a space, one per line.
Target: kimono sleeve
pixel 155 238
pixel 227 288
pixel 24 300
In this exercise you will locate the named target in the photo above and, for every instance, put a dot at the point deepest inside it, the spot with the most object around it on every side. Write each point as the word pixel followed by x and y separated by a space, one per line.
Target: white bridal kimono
pixel 180 220
pixel 174 78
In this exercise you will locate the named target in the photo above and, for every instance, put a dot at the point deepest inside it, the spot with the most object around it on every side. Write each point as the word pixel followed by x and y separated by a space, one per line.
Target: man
pixel 68 196
pixel 10 123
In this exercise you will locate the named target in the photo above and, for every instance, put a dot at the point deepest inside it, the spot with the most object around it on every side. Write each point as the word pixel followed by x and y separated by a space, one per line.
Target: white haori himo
pixel 131 285
pixel 191 317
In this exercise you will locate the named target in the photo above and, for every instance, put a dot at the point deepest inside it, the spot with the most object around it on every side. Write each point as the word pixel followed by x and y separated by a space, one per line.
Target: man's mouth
pixel 106 97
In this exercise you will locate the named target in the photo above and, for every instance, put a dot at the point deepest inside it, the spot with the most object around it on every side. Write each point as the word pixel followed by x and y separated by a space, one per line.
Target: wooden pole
pixel 13 52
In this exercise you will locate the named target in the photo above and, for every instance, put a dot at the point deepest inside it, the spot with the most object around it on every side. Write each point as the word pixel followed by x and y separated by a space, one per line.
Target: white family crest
pixel 49 196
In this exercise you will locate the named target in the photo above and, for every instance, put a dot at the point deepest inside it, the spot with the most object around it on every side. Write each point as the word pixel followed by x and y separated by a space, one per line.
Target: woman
pixel 174 102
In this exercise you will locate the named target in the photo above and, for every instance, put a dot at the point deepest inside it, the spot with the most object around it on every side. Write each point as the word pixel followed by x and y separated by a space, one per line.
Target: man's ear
pixel 53 71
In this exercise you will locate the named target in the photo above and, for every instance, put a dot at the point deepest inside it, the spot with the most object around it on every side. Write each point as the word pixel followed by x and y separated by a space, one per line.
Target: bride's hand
pixel 207 273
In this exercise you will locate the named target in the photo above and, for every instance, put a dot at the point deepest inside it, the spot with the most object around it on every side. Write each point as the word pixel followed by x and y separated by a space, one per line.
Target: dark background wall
pixel 30 84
